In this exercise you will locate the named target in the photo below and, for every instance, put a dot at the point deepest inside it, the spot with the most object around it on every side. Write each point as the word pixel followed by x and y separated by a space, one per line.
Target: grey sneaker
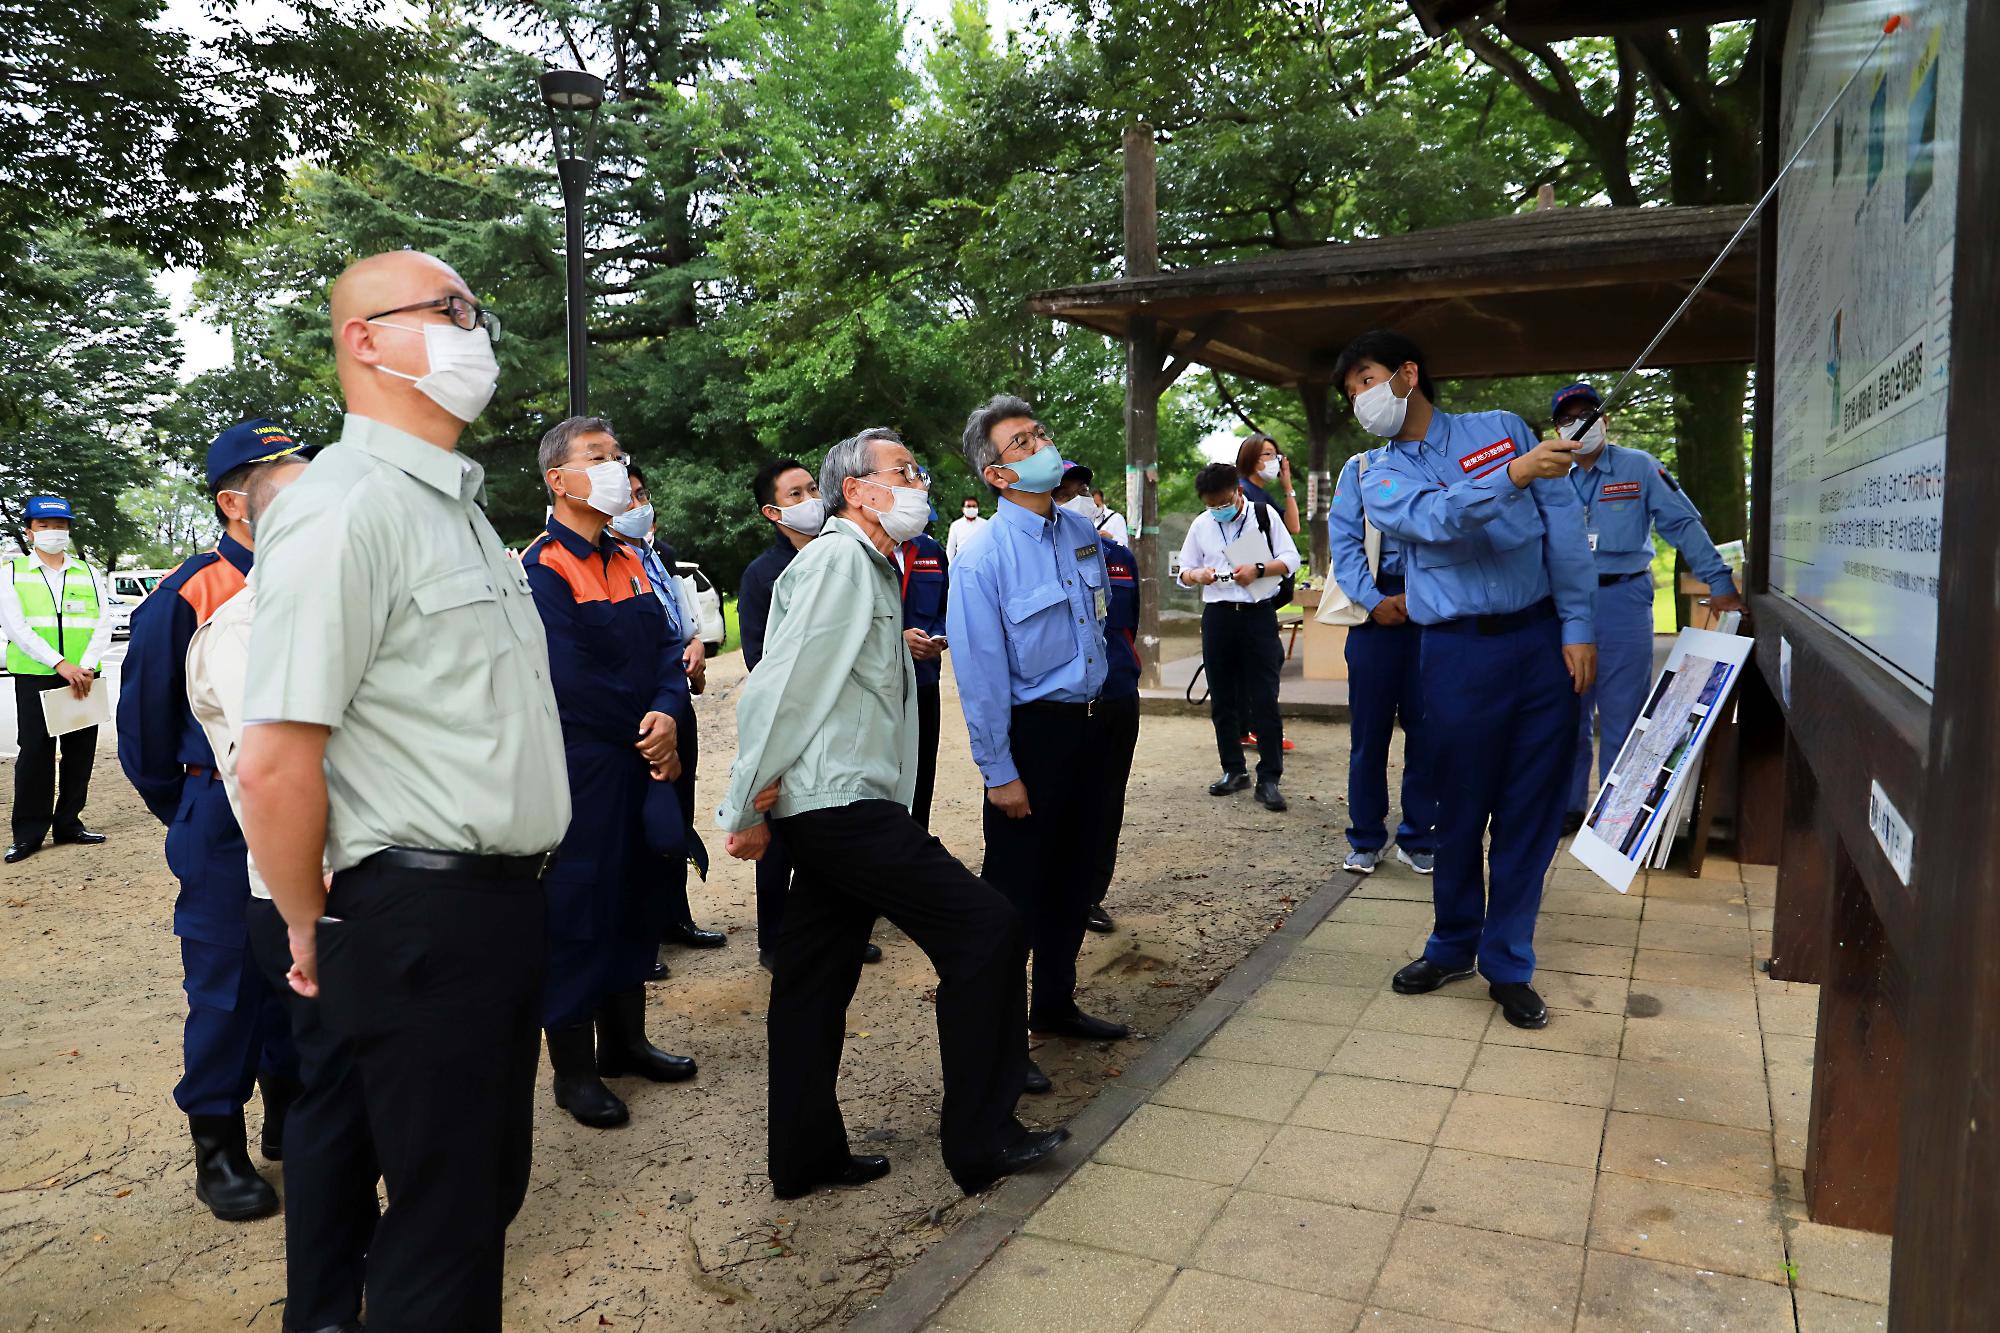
pixel 1361 863
pixel 1421 862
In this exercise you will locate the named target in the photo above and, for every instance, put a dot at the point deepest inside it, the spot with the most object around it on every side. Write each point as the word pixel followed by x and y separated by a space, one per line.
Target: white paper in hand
pixel 1248 550
pixel 64 712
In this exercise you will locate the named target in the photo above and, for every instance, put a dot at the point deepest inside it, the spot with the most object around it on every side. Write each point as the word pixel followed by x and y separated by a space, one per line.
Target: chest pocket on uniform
pixel 463 604
pixel 1039 638
pixel 926 591
pixel 1620 519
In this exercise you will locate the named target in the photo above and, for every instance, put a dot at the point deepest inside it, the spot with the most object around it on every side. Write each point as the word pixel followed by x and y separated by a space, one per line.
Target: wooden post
pixel 1318 396
pixel 1142 397
pixel 1805 876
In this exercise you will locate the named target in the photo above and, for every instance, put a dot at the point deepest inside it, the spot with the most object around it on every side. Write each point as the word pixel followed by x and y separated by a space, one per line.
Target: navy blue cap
pixel 260 440
pixel 49 506
pixel 1070 469
pixel 1580 389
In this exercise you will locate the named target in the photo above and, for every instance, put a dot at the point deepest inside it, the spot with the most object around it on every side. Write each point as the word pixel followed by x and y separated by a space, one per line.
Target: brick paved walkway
pixel 1338 1156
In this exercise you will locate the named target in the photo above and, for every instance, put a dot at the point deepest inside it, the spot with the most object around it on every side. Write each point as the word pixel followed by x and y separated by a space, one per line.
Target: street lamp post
pixel 573 97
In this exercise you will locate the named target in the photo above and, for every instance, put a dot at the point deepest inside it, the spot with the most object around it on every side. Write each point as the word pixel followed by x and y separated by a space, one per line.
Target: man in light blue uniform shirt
pixel 1500 577
pixel 1026 625
pixel 1625 495
pixel 1383 685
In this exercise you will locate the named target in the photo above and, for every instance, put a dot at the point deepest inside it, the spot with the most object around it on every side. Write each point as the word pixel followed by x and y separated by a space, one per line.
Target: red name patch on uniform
pixel 1622 490
pixel 1122 573
pixel 1481 462
pixel 927 564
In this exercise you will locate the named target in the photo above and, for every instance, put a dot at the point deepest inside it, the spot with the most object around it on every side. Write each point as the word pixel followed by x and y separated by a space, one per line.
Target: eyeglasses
pixel 914 473
pixel 1036 435
pixel 465 313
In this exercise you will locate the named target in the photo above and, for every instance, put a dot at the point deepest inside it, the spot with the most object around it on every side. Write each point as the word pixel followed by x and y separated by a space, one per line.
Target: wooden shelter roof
pixel 1565 290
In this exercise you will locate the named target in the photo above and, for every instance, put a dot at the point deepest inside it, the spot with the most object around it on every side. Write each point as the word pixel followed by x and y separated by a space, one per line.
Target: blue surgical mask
pixel 1039 472
pixel 1225 514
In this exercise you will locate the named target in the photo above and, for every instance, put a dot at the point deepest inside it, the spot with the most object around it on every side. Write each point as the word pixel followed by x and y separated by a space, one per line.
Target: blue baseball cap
pixel 49 506
pixel 259 440
pixel 1580 389
pixel 1071 469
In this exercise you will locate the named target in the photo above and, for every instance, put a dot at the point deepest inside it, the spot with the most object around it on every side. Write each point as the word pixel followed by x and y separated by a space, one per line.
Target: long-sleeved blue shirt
pixel 1121 622
pixel 1473 542
pixel 1347 540
pixel 921 565
pixel 158 737
pixel 1625 495
pixel 1026 624
pixel 753 596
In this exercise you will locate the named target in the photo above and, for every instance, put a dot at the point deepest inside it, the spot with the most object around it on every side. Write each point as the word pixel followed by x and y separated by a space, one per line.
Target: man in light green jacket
pixel 827 743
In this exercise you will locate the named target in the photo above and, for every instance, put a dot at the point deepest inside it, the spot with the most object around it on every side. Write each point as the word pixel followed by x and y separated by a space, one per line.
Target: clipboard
pixel 63 712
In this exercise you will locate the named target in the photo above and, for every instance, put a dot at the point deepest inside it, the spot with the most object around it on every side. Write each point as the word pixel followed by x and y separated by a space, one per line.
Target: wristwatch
pixel 1260 569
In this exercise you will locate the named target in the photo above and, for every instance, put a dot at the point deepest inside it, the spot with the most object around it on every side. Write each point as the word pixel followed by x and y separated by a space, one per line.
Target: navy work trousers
pixel 1384 687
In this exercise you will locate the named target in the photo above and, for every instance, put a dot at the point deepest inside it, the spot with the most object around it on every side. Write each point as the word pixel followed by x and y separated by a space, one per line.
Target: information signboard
pixel 1866 224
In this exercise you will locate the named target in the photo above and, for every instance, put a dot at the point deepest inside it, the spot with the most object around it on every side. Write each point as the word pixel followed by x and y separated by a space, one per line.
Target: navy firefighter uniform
pixel 1500 578
pixel 926 578
pixel 671 833
pixel 611 662
pixel 1626 494
pixel 237 1026
pixel 1120 703
pixel 1384 685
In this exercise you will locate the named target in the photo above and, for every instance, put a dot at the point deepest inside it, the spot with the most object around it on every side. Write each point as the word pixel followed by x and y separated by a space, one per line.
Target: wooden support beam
pixel 1805 875
pixel 1317 395
pixel 1142 397
pixel 1760 772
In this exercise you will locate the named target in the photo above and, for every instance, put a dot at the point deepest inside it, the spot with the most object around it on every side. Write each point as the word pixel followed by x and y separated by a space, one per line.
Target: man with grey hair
pixel 1027 628
pixel 827 744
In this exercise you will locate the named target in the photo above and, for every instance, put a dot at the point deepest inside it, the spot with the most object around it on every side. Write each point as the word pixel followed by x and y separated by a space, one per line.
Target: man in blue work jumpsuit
pixel 1027 635
pixel 921 564
pixel 1625 495
pixel 1121 687
pixel 1499 576
pixel 617 678
pixel 1383 685
pixel 238 1031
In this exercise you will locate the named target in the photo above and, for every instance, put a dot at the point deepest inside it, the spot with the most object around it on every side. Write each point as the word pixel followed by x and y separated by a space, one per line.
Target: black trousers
pixel 1045 863
pixel 1239 646
pixel 774 882
pixel 330 1170
pixel 929 720
pixel 855 863
pixel 433 980
pixel 37 805
pixel 1121 739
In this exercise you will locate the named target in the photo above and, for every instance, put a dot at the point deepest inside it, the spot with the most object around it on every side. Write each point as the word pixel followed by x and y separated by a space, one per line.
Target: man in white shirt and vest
pixel 52 610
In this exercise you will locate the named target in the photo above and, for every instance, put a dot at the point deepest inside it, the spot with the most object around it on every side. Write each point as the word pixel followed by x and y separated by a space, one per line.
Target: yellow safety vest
pixel 65 625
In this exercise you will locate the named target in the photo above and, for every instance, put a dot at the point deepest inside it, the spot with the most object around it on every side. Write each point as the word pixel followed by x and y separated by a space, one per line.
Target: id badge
pixel 76 607
pixel 1593 541
pixel 1098 598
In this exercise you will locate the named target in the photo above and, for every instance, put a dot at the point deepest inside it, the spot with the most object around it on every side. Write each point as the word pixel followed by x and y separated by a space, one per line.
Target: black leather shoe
pixel 658 972
pixel 83 837
pixel 1031 1148
pixel 1572 822
pixel 1083 1027
pixel 279 1094
pixel 858 1171
pixel 21 851
pixel 223 1176
pixel 1423 976
pixel 1519 1004
pixel 1035 1082
pixel 578 1088
pixel 871 953
pixel 1098 920
pixel 690 936
pixel 1229 782
pixel 1269 796
pixel 622 1047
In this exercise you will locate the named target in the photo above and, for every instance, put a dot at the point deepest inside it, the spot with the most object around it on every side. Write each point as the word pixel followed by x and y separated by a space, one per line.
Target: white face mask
pixel 908 514
pixel 1082 506
pixel 1379 410
pixel 1591 441
pixel 971 511
pixel 610 487
pixel 52 541
pixel 807 516
pixel 463 371
pixel 1269 470
pixel 635 522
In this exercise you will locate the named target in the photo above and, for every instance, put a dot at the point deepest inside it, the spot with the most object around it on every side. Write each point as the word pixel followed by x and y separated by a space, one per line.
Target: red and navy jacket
pixel 1121 621
pixel 611 660
pixel 158 737
pixel 926 592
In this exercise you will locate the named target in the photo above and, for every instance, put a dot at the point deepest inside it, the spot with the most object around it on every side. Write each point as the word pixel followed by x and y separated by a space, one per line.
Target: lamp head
pixel 571 91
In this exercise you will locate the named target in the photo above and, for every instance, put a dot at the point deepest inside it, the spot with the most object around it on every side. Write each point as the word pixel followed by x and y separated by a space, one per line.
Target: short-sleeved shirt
pixel 388 611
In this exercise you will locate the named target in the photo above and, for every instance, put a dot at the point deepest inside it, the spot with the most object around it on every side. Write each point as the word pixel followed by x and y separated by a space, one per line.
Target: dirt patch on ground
pixel 668 1222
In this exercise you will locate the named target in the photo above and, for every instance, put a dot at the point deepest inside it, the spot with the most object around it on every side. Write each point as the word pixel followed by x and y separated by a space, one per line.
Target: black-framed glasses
pixel 466 313
pixel 1037 434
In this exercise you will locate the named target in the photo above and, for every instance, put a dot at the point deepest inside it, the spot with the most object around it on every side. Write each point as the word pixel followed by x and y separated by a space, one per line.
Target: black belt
pixel 1088 708
pixel 1606 580
pixel 463 863
pixel 1268 604
pixel 1501 624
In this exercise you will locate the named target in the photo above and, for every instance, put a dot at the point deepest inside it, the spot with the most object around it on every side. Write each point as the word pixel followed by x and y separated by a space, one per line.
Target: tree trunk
pixel 1710 432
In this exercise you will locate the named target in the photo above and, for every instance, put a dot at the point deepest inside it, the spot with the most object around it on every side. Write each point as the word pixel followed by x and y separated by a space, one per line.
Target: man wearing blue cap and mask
pixel 1027 628
pixel 237 1030
pixel 1626 494
pixel 52 612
